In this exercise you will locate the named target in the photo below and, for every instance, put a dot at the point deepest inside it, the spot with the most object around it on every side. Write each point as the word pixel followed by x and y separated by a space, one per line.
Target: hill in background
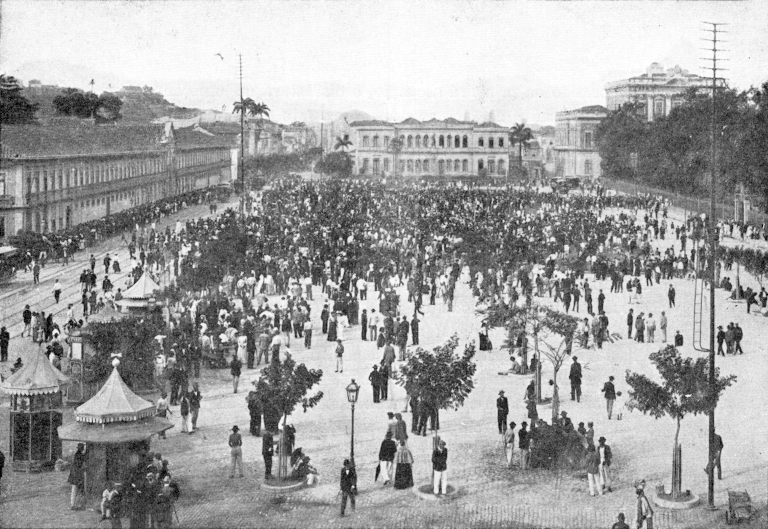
pixel 140 104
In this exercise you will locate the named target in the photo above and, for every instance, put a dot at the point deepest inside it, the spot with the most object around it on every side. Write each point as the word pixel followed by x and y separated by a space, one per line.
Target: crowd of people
pixel 245 283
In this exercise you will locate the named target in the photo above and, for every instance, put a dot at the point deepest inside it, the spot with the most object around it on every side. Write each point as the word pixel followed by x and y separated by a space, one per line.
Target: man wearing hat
pixel 502 411
pixel 387 457
pixel 440 468
pixel 610 396
pixel 605 464
pixel 339 351
pixel 375 378
pixel 236 444
pixel 575 378
pixel 348 485
pixel 509 443
pixel 720 340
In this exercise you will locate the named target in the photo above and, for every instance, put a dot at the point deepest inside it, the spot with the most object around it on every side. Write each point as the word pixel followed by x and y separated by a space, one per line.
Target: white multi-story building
pixel 575 147
pixel 657 90
pixel 449 148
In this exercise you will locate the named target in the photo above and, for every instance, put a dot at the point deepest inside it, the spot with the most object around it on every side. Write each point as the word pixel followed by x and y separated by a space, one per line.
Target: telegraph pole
pixel 242 139
pixel 714 30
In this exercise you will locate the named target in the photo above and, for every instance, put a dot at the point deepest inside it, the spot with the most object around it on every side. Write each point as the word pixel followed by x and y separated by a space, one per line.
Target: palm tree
pixel 342 143
pixel 258 109
pixel 520 135
pixel 245 105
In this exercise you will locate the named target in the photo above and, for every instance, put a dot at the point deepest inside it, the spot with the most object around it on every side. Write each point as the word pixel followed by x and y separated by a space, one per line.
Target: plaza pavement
pixel 490 495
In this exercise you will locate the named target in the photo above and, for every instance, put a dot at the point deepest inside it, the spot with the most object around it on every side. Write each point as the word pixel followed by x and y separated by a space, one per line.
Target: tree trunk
pixel 677 468
pixel 555 398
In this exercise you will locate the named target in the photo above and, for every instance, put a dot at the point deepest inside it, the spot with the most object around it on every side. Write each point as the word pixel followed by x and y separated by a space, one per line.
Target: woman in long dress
pixel 403 470
pixel 332 326
pixel 485 343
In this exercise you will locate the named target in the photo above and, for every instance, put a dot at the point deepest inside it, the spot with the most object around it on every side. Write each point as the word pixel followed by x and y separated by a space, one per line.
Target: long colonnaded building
pixel 62 174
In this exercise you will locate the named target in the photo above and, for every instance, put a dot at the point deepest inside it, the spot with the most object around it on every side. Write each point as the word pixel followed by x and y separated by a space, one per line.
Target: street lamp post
pixel 352 392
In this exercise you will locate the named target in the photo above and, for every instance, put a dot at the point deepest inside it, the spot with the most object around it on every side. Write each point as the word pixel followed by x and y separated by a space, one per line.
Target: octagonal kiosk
pixel 116 426
pixel 36 403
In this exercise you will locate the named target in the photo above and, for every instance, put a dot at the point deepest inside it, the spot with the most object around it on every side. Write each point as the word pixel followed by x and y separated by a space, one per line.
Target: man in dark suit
pixel 267 450
pixel 502 410
pixel 348 484
pixel 575 378
pixel 714 460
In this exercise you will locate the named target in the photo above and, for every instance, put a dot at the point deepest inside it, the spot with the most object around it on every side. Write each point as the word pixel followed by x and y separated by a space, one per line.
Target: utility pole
pixel 714 30
pixel 242 140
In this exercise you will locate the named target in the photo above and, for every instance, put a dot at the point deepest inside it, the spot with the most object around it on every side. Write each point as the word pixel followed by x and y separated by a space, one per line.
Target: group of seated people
pixel 518 366
pixel 301 469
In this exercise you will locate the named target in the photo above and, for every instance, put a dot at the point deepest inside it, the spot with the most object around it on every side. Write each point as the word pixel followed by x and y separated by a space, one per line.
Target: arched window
pixel 386 165
pixel 480 142
pixel 402 166
pixel 465 142
pixel 418 142
pixel 402 141
pixel 500 166
pixel 501 143
pixel 410 141
pixel 375 141
pixel 433 140
pixel 457 142
pixel 409 165
pixel 456 166
pixel 376 167
pixel 491 167
pixel 440 166
pixel 441 141
pixel 465 166
pixel 418 165
pixel 480 165
pixel 490 143
pixel 448 166
pixel 425 166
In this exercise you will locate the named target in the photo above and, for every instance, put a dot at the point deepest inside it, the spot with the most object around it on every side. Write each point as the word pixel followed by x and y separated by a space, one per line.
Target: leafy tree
pixel 131 337
pixel 551 332
pixel 73 102
pixel 15 109
pixel 282 387
pixel 335 163
pixel 684 390
pixel 619 137
pixel 441 378
pixel 395 147
pixel 109 107
pixel 520 135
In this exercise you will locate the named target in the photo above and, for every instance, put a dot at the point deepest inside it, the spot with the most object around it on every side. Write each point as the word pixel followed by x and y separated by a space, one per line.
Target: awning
pixel 114 433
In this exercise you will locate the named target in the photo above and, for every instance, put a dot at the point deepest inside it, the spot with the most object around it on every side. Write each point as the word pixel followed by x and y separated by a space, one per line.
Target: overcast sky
pixel 521 60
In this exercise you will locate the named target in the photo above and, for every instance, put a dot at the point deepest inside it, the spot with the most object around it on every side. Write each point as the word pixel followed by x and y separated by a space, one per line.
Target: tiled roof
pixel 593 109
pixel 32 141
pixel 369 123
pixel 490 124
pixel 201 137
